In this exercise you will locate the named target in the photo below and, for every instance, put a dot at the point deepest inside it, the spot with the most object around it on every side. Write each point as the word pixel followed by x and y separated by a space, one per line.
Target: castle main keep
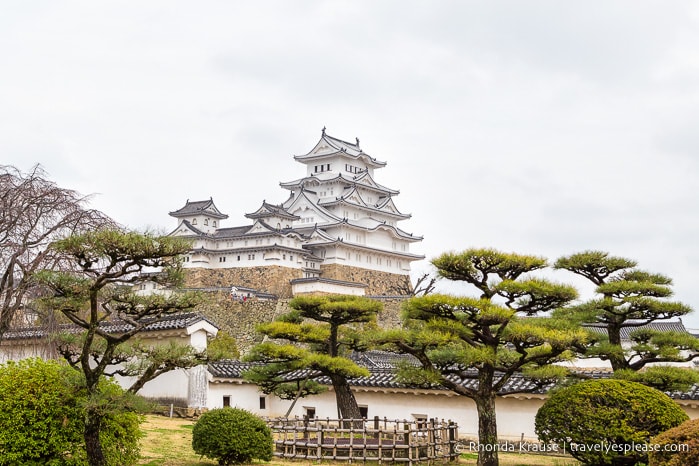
pixel 336 232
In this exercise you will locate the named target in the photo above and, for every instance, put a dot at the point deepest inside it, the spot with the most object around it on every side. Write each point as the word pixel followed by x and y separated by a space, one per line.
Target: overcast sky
pixel 536 127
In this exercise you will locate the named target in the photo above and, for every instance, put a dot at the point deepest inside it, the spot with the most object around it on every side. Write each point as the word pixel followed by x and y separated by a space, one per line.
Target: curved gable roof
pixel 197 208
pixel 270 210
pixel 328 146
pixel 303 198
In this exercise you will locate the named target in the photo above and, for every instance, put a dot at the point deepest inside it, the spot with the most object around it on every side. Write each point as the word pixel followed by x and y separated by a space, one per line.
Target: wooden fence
pixel 380 440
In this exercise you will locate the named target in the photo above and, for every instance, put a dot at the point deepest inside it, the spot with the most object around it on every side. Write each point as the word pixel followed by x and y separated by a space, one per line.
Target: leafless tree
pixel 33 212
pixel 423 286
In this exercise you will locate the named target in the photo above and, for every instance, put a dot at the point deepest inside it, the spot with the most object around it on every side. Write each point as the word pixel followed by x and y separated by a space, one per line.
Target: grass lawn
pixel 168 442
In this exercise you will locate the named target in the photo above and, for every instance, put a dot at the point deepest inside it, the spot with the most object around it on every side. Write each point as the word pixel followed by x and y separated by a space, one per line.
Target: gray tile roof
pixel 382 367
pixel 661 326
pixel 171 322
pixel 198 207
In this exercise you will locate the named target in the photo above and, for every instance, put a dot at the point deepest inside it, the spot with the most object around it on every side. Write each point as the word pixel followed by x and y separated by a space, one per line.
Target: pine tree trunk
pixel 487 420
pixel 346 402
pixel 616 359
pixel 91 434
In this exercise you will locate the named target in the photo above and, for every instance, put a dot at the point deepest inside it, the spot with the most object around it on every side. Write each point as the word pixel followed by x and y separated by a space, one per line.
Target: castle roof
pixel 353 197
pixel 364 180
pixel 197 208
pixel 329 146
pixel 270 210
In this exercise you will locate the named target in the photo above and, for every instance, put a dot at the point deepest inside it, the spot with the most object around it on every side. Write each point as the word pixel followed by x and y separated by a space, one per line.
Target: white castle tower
pixel 336 232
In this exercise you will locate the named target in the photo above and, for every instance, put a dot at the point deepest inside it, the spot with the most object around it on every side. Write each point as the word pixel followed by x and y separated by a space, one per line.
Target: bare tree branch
pixel 33 212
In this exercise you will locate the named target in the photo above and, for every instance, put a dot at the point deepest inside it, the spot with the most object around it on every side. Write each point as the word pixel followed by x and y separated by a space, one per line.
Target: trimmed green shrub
pixel 684 437
pixel 606 422
pixel 232 436
pixel 42 417
pixel 121 426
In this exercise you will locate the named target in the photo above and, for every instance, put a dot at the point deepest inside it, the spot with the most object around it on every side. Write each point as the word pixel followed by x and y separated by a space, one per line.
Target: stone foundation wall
pixel 270 279
pixel 275 279
pixel 379 283
pixel 239 319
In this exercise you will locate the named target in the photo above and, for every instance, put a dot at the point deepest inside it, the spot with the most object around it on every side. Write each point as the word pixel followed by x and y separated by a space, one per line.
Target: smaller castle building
pixel 337 231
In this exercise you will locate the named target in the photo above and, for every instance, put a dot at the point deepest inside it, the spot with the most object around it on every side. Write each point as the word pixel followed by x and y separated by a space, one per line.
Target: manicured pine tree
pixel 98 290
pixel 322 331
pixel 627 299
pixel 490 338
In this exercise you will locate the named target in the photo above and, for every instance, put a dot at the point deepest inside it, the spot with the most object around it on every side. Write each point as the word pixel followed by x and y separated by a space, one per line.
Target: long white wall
pixel 515 414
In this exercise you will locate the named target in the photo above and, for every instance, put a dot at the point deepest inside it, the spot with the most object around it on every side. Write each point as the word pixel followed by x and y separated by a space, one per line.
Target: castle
pixel 336 232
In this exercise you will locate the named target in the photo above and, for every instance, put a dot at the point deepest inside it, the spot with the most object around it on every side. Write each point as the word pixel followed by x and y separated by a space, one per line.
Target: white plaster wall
pixel 173 384
pixel 199 339
pixel 515 416
pixel 690 407
pixel 246 396
pixel 15 351
pixel 313 287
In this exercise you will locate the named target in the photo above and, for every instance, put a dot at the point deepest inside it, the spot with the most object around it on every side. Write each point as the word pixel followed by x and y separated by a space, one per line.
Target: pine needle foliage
pixel 487 339
pixel 321 332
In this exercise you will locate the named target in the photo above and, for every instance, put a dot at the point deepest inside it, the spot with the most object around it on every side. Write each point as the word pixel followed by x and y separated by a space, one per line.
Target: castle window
pixel 328 165
pixel 226 401
pixel 284 256
pixel 364 412
pixel 291 257
pixel 263 402
pixel 194 221
pixel 206 221
pixel 238 257
pixel 214 223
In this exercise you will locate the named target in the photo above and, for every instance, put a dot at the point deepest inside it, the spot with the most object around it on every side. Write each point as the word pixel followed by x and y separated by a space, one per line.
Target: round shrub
pixel 606 422
pixel 678 446
pixel 232 436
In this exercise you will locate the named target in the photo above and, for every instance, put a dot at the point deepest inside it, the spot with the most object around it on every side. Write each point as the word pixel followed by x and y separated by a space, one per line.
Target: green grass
pixel 168 442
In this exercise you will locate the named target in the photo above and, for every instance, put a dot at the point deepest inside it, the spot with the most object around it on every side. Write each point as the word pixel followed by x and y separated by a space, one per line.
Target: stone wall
pixel 269 279
pixel 379 283
pixel 276 280
pixel 239 319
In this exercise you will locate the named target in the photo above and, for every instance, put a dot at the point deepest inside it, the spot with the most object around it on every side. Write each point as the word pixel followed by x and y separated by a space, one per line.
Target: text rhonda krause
pixel 526 447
